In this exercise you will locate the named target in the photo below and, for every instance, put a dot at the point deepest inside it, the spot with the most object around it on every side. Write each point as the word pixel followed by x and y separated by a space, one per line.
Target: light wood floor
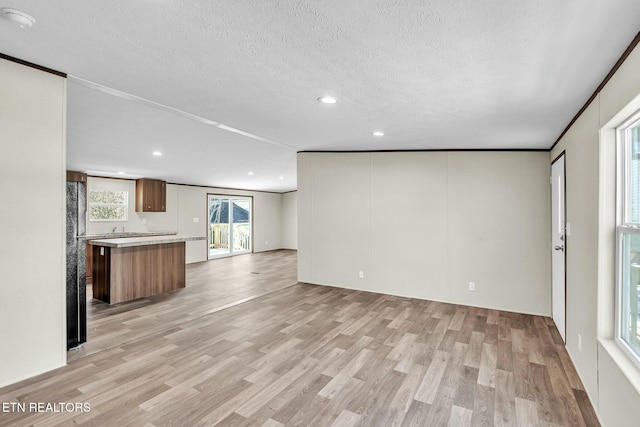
pixel 211 286
pixel 312 355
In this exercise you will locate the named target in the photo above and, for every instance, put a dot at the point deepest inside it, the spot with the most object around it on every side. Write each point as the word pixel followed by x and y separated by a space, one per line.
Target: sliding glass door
pixel 229 225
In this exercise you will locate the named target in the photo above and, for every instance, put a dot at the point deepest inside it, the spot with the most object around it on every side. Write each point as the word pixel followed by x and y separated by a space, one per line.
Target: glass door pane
pixel 241 234
pixel 219 229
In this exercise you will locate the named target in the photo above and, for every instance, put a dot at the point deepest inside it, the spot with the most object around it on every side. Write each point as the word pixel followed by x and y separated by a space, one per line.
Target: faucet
pixel 114 229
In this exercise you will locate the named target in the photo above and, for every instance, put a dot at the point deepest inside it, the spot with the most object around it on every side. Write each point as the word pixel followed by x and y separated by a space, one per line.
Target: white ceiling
pixel 162 74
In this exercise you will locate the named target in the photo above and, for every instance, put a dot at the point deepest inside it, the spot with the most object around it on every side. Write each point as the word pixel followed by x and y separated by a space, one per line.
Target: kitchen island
pixel 136 267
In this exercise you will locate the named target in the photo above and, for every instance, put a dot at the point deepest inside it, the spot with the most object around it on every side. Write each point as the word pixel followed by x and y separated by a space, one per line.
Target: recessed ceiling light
pixel 250 172
pixel 378 133
pixel 121 173
pixel 327 100
pixel 282 177
pixel 18 17
pixel 157 153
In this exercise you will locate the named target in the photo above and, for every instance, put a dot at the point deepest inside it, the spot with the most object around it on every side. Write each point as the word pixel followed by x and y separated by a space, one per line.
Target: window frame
pixel 125 205
pixel 624 225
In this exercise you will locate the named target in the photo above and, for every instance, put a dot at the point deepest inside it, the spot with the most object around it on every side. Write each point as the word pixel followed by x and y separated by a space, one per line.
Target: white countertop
pixel 120 235
pixel 144 241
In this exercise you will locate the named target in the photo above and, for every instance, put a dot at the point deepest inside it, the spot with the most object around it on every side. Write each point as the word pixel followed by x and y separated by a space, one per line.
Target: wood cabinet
pixel 73 176
pixel 151 195
pixel 89 263
pixel 128 273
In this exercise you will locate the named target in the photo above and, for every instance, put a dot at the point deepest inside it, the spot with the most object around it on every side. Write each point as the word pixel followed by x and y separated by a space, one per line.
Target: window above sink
pixel 108 205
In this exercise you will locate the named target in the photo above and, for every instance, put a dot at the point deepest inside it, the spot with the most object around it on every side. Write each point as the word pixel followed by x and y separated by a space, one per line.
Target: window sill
pixel 623 362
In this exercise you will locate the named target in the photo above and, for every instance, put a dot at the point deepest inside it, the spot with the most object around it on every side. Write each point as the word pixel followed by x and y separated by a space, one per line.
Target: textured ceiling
pixel 430 74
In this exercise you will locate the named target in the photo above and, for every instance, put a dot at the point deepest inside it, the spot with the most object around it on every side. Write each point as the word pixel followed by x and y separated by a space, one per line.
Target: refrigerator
pixel 76 264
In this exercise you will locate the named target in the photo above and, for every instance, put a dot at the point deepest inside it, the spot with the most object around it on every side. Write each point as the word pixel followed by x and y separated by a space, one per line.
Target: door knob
pixel 559 248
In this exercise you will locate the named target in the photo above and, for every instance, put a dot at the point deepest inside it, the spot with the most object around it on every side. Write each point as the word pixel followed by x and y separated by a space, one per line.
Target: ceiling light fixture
pixel 122 173
pixel 282 177
pixel 18 17
pixel 327 100
pixel 378 133
pixel 250 173
pixel 157 153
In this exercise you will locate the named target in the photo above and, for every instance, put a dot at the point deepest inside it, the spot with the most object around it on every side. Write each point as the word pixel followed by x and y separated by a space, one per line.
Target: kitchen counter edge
pixel 143 241
pixel 116 235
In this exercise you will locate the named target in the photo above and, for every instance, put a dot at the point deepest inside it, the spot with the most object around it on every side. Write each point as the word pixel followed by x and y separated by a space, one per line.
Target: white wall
pixel 184 203
pixel 341 219
pixel 32 254
pixel 290 220
pixel 193 204
pixel 610 378
pixel 580 144
pixel 409 229
pixel 426 224
pixel 499 230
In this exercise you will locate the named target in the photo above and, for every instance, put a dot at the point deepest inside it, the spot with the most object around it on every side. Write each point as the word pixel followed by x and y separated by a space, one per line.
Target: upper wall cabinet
pixel 151 195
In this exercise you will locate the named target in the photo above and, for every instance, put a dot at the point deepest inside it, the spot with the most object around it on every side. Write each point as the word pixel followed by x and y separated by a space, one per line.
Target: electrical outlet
pixel 579 342
pixel 472 286
pixel 196 219
pixel 266 242
pixel 361 274
pixel 144 220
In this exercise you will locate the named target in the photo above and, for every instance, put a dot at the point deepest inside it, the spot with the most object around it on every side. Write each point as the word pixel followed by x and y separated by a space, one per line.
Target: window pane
pixel 108 197
pixel 630 281
pixel 633 139
pixel 106 205
pixel 106 213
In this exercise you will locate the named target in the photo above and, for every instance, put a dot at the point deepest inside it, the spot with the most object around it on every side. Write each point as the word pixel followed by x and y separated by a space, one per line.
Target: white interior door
pixel 558 243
